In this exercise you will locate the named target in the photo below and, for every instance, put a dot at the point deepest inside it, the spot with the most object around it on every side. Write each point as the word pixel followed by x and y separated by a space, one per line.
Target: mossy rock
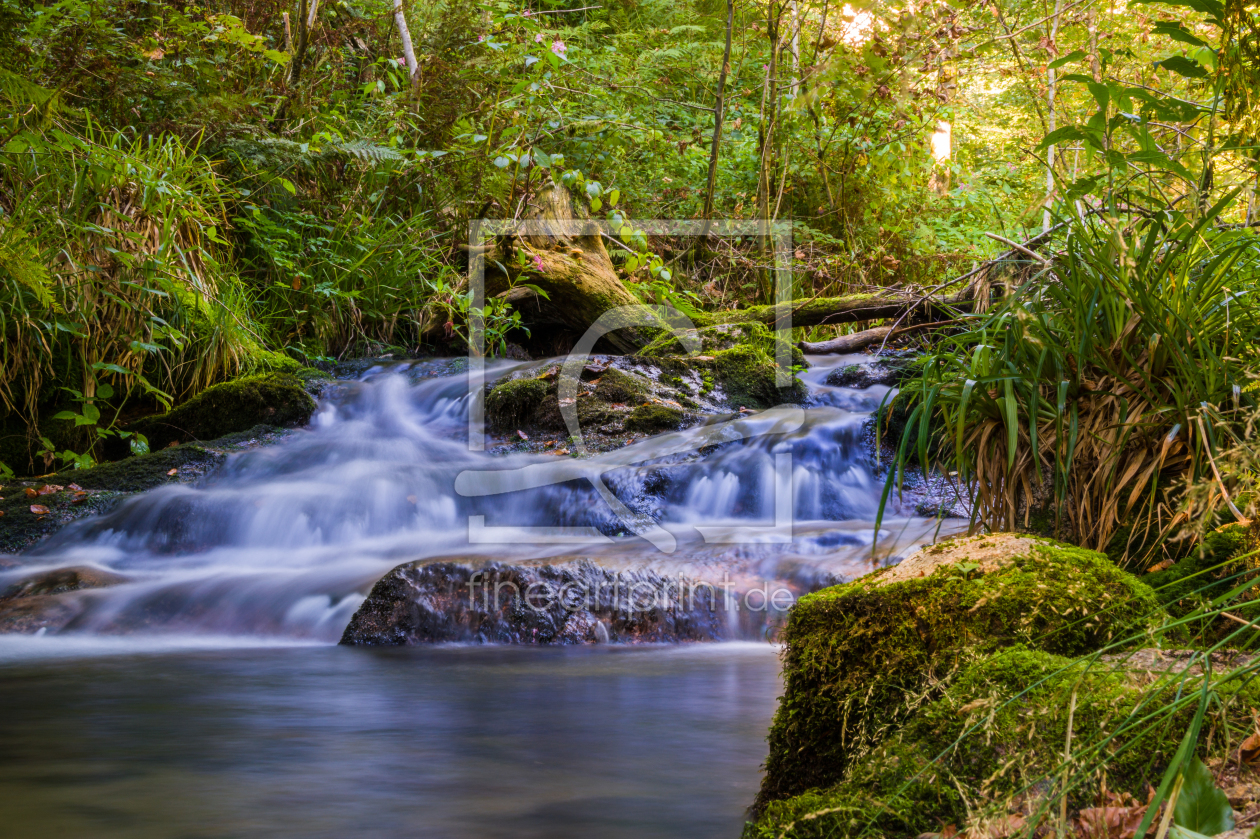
pixel 514 403
pixel 653 418
pixel 743 360
pixel 616 386
pixel 859 657
pixel 987 746
pixel 1222 562
pixel 105 485
pixel 277 399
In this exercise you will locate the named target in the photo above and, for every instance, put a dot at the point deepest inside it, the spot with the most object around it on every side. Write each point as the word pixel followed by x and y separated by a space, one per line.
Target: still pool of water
pixel 114 740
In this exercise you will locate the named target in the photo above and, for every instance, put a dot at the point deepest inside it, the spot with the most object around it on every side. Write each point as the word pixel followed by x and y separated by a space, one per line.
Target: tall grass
pixel 1090 394
pixel 114 268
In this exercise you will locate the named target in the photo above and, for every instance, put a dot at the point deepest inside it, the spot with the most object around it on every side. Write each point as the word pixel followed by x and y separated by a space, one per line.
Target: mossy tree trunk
pixel 564 255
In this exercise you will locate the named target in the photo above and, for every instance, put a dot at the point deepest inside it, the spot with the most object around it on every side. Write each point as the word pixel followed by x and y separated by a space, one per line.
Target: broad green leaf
pixel 65 415
pixel 91 413
pixel 1183 66
pixel 1074 55
pixel 288 185
pixel 613 197
pixel 1177 32
pixel 1202 807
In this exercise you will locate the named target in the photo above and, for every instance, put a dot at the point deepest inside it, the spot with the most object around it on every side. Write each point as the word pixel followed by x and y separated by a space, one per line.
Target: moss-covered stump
pixel 861 657
pixel 979 756
pixel 743 358
pixel 277 399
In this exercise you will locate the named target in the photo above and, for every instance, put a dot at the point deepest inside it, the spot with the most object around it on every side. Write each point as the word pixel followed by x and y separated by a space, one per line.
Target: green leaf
pixel 1177 32
pixel 1060 135
pixel 105 390
pixel 288 186
pixel 1202 807
pixel 1183 66
pixel 91 413
pixel 65 415
pixel 1012 423
pixel 1074 55
pixel 139 444
pixel 502 162
pixel 614 197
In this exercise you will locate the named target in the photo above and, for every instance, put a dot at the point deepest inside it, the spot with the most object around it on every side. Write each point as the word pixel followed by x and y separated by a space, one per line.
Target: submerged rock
pixel 38 602
pixel 866 375
pixel 862 658
pixel 570 603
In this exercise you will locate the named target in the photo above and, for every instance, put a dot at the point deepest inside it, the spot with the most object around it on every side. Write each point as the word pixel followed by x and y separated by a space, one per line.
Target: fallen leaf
pixel 172 473
pixel 49 489
pixel 1249 752
pixel 549 443
pixel 39 509
pixel 155 54
pixel 79 497
pixel 1110 822
pixel 522 434
pixel 561 451
pixel 30 493
pixel 75 488
pixel 1160 566
pixel 1 512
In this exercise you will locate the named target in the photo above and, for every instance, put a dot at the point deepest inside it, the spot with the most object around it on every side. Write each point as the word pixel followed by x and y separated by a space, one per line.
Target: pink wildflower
pixel 538 39
pixel 538 263
pixel 480 38
pixel 558 47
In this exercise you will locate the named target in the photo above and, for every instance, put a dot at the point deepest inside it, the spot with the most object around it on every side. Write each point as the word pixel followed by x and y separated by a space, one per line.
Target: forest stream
pixel 207 696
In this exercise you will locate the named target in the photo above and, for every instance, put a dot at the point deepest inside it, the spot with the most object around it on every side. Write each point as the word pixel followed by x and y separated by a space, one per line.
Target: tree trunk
pixel 299 55
pixel 409 52
pixel 568 261
pixel 718 109
pixel 847 343
pixel 848 309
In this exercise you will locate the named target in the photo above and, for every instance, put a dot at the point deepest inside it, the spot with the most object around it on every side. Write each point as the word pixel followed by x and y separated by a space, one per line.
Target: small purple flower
pixel 538 39
pixel 558 47
pixel 527 13
pixel 480 38
pixel 538 263
pixel 402 61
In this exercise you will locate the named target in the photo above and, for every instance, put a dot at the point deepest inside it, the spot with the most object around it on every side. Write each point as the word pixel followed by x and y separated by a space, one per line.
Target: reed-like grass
pixel 1089 395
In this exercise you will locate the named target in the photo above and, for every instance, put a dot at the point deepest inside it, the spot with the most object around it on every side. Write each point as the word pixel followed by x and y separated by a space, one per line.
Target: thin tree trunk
pixel 1050 81
pixel 288 35
pixel 718 111
pixel 796 48
pixel 767 163
pixel 299 55
pixel 409 53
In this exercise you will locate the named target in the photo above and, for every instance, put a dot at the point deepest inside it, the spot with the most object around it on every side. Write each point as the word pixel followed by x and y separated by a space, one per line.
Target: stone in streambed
pixel 862 658
pixel 568 603
pixel 41 601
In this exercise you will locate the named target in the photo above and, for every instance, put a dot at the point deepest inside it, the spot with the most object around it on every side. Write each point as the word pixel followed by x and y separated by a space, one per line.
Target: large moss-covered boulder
pixel 275 399
pixel 986 756
pixel 861 657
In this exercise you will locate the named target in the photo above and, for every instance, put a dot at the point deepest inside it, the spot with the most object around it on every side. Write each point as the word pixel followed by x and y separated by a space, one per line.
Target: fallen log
pixel 848 309
pixel 858 341
pixel 847 343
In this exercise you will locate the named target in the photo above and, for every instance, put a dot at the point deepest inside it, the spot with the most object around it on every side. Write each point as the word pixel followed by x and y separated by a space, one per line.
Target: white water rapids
pixel 283 542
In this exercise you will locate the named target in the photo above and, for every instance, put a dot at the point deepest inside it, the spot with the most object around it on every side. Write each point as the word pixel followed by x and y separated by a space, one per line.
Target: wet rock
pixel 276 399
pixel 39 602
pixel 569 603
pixel 742 361
pixel 59 581
pixel 651 419
pixel 866 375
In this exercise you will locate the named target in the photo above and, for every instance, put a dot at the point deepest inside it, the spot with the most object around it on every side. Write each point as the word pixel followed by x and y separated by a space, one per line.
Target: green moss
pixel 514 403
pixel 860 656
pixel 278 399
pixel 653 418
pixel 993 738
pixel 747 375
pixel 106 484
pixel 616 386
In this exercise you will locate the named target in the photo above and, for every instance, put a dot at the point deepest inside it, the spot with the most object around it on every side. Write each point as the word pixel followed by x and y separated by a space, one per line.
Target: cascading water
pixel 202 698
pixel 286 540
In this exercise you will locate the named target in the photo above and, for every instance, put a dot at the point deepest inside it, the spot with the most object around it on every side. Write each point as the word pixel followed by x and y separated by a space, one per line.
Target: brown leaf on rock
pixel 522 434
pixel 39 509
pixel 74 488
pixel 79 497
pixel 172 473
pixel 30 493
pixel 49 489
pixel 1160 566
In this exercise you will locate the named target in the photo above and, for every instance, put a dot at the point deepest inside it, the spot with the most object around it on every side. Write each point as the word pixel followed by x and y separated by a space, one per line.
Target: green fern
pixel 21 261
